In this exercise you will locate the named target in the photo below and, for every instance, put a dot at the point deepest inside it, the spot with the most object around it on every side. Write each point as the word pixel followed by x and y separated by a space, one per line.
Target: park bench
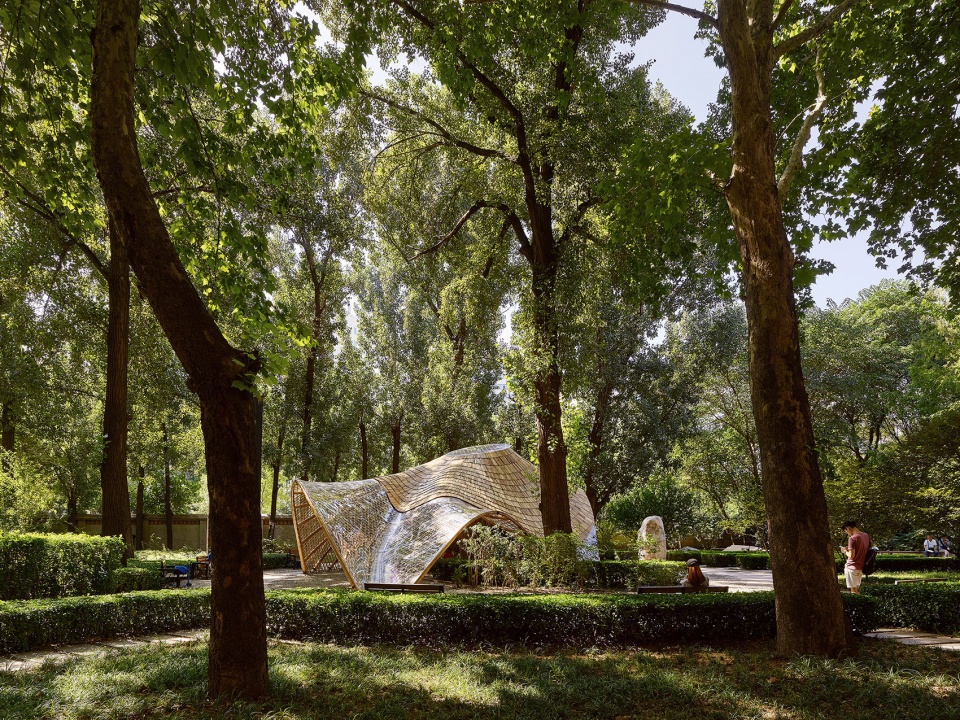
pixel 404 587
pixel 680 589
pixel 916 580
pixel 200 568
pixel 173 574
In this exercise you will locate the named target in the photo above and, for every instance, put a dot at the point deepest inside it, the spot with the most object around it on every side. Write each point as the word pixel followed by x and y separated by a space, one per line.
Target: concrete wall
pixel 189 531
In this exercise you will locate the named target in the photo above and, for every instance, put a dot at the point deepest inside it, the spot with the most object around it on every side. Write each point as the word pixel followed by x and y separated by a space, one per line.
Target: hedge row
pixel 614 574
pixel 35 565
pixel 717 558
pixel 933 607
pixel 761 561
pixel 130 579
pixel 29 624
pixel 575 621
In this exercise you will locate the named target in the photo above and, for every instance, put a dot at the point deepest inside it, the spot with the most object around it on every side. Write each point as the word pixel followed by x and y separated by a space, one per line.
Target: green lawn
pixel 886 680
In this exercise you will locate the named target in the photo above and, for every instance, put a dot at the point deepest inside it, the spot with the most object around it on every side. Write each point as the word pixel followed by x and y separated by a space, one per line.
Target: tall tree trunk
pixel 318 278
pixel 595 442
pixel 810 617
pixel 8 432
pixel 167 500
pixel 395 433
pixel 113 468
pixel 364 451
pixel 336 467
pixel 141 520
pixel 73 514
pixel 276 481
pixel 238 646
pixel 551 448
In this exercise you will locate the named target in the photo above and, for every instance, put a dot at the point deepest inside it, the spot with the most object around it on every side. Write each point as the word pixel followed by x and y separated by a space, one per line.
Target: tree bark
pixel 810 617
pixel 317 279
pixel 276 481
pixel 8 432
pixel 73 514
pixel 551 448
pixel 113 468
pixel 595 442
pixel 395 433
pixel 238 650
pixel 167 500
pixel 141 520
pixel 364 451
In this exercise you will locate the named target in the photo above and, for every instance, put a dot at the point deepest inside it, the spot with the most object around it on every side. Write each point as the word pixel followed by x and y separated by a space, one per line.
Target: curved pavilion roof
pixel 393 528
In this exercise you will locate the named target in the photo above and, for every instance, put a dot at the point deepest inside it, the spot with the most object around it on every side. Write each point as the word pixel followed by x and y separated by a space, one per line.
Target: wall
pixel 189 531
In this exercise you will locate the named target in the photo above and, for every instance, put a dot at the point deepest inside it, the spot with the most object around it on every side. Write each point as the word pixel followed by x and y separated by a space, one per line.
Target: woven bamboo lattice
pixel 393 528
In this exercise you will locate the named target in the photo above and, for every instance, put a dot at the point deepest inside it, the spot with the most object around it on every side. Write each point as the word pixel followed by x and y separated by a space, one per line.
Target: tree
pixel 754 39
pixel 539 102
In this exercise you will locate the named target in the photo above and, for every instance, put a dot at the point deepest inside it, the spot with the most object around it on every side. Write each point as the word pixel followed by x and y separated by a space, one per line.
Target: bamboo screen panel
pixel 392 529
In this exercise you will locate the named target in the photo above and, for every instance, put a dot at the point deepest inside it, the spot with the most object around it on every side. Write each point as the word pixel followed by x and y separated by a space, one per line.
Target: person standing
pixel 858 543
pixel 931 548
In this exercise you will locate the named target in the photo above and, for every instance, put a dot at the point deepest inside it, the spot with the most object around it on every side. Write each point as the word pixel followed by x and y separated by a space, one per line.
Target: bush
pixel 449 569
pixel 31 624
pixel 753 561
pixel 629 574
pixel 35 565
pixel 434 620
pixel 530 620
pixel 933 607
pixel 273 561
pixel 909 563
pixel 129 579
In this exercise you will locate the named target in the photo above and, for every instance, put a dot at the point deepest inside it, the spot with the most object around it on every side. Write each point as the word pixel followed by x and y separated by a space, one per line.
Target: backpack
pixel 870 562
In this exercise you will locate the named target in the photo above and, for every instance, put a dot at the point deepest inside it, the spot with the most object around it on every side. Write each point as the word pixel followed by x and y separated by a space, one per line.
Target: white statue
pixel 652 539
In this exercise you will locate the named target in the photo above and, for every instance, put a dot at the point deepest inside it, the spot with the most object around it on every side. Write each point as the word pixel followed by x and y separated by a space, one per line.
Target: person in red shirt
pixel 856 552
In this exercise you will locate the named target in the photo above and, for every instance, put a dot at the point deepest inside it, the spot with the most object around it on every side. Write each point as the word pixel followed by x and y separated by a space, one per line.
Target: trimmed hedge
pixel 614 574
pixel 274 561
pixel 532 620
pixel 716 558
pixel 36 565
pixel 130 579
pixel 932 607
pixel 30 624
pixel 576 621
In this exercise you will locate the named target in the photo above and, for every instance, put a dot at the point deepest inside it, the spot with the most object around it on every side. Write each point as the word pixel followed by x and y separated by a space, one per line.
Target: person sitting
pixel 695 576
pixel 931 548
pixel 945 546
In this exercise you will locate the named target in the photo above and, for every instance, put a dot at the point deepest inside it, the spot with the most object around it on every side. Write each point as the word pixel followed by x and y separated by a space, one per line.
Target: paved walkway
pixel 736 579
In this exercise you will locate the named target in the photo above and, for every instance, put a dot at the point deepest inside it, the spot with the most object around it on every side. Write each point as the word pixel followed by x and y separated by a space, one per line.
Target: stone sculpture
pixel 652 539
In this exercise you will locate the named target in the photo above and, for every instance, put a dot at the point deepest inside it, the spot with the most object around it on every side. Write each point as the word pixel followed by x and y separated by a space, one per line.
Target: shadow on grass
pixel 320 681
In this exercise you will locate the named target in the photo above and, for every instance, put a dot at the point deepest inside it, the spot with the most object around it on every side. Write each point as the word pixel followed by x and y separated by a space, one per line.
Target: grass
pixel 885 680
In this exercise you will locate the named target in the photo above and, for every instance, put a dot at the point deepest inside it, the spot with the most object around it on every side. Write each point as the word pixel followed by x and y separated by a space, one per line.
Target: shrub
pixel 554 560
pixel 629 574
pixel 446 569
pixel 909 563
pixel 37 565
pixel 933 607
pixel 272 561
pixel 574 621
pixel 531 620
pixel 31 624
pixel 753 561
pixel 129 579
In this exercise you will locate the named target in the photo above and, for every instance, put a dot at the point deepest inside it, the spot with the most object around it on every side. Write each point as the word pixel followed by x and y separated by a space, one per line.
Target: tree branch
pixel 479 205
pixel 690 12
pixel 781 14
pixel 441 131
pixel 816 30
pixel 803 137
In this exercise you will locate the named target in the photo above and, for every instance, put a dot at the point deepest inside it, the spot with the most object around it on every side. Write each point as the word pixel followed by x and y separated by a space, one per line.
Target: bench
pixel 916 580
pixel 200 568
pixel 680 589
pixel 173 574
pixel 404 587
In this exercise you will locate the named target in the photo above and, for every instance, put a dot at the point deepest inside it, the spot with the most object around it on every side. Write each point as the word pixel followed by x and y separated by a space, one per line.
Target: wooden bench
pixel 916 580
pixel 680 589
pixel 169 575
pixel 404 587
pixel 200 568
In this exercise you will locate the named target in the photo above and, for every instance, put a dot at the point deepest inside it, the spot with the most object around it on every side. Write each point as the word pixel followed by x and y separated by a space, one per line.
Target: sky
pixel 679 63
